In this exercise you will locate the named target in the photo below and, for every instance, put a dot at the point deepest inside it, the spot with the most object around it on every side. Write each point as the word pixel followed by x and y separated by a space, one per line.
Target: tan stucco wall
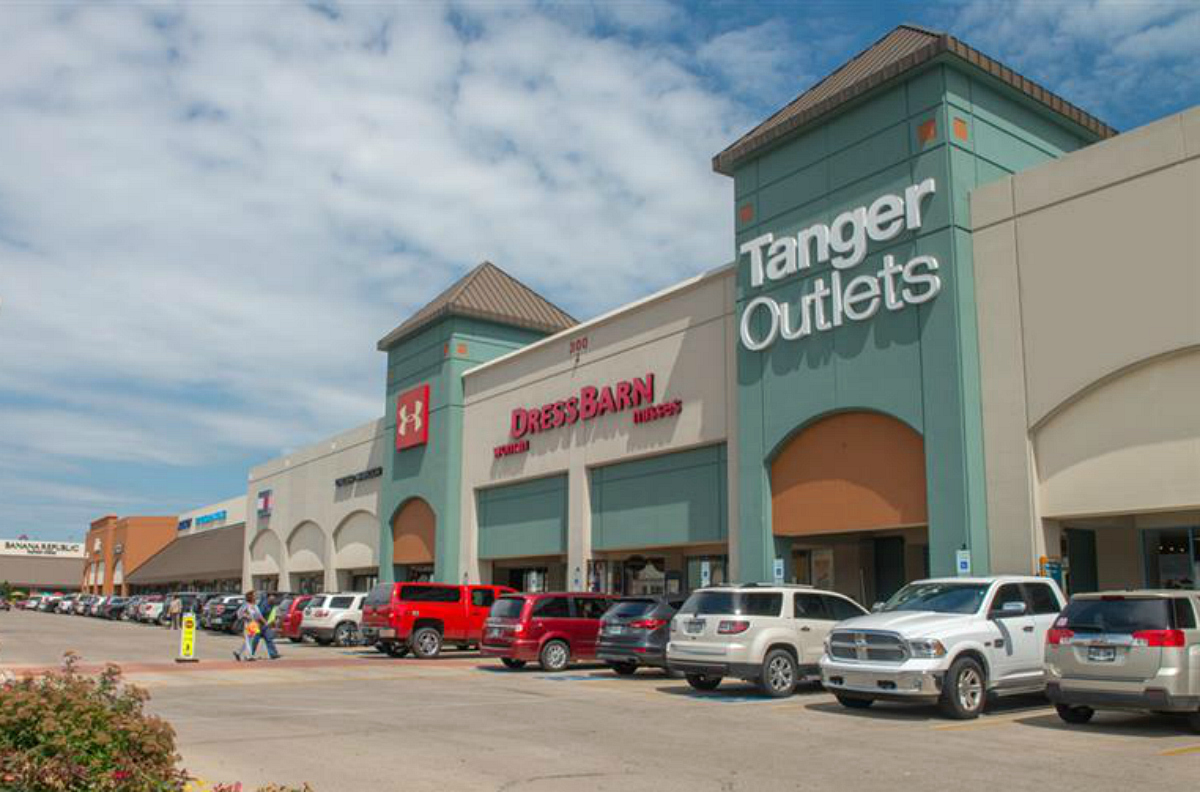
pixel 1087 274
pixel 315 526
pixel 684 336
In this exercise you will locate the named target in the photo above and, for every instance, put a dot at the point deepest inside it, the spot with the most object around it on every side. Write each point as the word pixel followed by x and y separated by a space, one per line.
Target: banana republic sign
pixel 26 547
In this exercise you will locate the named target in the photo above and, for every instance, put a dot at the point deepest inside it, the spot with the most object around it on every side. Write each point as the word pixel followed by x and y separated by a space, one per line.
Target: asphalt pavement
pixel 354 719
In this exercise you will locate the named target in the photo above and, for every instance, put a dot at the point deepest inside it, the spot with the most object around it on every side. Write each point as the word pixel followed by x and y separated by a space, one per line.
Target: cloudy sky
pixel 210 212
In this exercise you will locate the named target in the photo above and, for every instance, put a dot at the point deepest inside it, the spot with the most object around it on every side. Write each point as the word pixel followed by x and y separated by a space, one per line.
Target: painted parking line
pixel 1186 749
pixel 981 723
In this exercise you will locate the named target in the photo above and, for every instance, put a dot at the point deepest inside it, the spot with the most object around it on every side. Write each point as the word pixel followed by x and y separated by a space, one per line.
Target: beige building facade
pixel 313 516
pixel 598 458
pixel 1088 281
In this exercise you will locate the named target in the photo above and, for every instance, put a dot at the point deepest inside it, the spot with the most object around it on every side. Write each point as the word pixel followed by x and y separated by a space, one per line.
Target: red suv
pixel 420 617
pixel 291 611
pixel 552 629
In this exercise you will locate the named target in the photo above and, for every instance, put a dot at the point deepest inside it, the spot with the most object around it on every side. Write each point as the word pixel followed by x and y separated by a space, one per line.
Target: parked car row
pixel 957 642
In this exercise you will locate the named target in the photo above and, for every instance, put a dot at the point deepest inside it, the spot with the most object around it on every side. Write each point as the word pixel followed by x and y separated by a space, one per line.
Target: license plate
pixel 614 629
pixel 694 626
pixel 493 632
pixel 387 633
pixel 1102 654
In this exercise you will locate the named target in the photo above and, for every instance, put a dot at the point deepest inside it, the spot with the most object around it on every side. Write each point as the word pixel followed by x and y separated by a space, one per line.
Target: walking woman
pixel 252 621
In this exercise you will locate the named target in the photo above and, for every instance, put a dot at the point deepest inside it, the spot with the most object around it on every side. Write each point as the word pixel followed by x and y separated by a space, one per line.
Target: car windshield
pixel 733 603
pixel 507 608
pixel 1117 615
pixel 938 597
pixel 628 609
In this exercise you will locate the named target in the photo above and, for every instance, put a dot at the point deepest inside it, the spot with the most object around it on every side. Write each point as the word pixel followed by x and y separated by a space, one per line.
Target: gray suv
pixel 1137 650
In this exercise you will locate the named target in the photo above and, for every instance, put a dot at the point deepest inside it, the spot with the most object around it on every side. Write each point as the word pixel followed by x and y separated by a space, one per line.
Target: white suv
pixel 333 618
pixel 949 640
pixel 772 635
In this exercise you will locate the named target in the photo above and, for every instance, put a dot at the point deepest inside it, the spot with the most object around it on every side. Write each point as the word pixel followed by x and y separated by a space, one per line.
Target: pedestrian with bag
pixel 266 634
pixel 176 613
pixel 252 620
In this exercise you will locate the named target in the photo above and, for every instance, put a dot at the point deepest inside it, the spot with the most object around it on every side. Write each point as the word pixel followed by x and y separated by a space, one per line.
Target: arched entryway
pixel 848 504
pixel 414 541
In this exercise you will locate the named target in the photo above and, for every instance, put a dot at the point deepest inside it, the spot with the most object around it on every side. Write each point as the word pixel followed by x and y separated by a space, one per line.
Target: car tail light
pixel 320 614
pixel 1059 635
pixel 732 627
pixel 647 624
pixel 1166 638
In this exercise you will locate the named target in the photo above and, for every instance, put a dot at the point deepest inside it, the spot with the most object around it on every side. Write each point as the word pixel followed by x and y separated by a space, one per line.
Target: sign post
pixel 187 640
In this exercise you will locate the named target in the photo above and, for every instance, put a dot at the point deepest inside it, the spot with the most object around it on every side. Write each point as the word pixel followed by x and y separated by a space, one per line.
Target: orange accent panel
pixel 855 471
pixel 927 131
pixel 960 129
pixel 413 533
pixel 746 213
pixel 462 349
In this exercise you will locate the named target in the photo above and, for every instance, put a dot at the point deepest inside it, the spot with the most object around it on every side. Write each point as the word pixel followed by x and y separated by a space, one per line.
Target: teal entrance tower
pixel 859 450
pixel 482 316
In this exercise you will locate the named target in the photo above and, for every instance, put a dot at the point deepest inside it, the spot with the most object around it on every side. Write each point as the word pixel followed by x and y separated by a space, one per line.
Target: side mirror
pixel 877 607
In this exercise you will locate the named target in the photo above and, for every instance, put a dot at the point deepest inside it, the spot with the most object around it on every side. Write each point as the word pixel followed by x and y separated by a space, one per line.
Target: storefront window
pixel 706 571
pixel 1171 558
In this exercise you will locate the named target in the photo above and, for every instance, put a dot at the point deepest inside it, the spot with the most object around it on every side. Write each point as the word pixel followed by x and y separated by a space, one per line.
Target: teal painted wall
pixel 434 471
pixel 671 499
pixel 526 519
pixel 919 364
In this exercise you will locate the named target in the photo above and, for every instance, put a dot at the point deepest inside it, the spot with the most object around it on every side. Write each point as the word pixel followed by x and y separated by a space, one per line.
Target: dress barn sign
pixel 844 245
pixel 635 394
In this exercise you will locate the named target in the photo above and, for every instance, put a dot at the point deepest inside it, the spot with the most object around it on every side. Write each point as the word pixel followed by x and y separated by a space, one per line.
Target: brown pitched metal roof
pixel 487 292
pixel 901 50
pixel 214 554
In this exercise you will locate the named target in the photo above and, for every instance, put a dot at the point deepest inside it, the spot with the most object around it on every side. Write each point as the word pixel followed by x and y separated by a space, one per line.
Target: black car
pixel 114 607
pixel 635 630
pixel 224 616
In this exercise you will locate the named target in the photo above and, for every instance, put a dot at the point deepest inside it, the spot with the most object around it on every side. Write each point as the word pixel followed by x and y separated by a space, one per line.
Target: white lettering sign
pixel 827 304
pixel 26 547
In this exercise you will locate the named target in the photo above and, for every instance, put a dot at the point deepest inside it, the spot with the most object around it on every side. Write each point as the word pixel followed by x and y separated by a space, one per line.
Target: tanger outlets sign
pixel 635 394
pixel 824 305
pixel 26 547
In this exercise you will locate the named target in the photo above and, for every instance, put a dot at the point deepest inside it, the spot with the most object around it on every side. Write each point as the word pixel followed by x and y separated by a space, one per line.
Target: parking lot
pixel 350 719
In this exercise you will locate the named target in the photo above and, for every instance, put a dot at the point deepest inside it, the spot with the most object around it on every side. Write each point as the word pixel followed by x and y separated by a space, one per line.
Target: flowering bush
pixel 67 732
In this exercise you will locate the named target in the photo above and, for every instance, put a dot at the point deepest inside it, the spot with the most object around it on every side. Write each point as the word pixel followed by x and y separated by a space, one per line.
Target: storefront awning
pixel 29 572
pixel 207 555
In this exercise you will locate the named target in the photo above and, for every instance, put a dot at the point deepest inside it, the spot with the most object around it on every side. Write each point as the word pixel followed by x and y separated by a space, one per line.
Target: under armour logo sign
pixel 409 417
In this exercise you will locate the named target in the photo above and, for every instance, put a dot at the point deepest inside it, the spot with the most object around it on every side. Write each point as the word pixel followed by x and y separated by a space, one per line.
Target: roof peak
pixel 486 292
pixel 900 50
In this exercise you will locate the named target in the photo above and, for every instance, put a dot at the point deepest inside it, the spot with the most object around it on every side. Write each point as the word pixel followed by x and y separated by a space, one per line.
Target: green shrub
pixel 67 732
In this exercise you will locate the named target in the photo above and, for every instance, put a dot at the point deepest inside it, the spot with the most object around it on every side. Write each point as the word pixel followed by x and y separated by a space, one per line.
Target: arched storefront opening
pixel 266 554
pixel 414 537
pixel 848 504
pixel 306 558
pixel 356 552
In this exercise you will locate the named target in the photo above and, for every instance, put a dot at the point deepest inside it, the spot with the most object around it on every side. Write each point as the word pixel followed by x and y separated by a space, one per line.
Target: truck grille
pixel 877 647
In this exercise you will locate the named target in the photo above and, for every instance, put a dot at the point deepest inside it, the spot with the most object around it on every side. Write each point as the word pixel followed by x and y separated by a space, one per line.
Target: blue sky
pixel 210 213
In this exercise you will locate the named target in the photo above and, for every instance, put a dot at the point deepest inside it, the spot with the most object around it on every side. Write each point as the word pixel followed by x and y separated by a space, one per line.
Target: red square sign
pixel 412 418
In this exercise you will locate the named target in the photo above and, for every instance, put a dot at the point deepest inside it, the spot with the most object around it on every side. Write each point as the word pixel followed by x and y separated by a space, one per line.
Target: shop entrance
pixel 656 572
pixel 312 583
pixel 530 575
pixel 848 505
pixel 1156 550
pixel 414 537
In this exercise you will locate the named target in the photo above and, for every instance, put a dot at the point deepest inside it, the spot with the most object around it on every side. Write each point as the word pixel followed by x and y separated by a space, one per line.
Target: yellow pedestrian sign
pixel 187 640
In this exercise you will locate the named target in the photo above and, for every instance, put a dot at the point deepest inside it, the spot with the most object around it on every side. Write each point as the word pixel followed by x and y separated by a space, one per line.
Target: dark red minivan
pixel 552 629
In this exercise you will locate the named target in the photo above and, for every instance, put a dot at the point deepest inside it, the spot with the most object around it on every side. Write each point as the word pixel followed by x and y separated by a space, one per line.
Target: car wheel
pixel 323 641
pixel 555 656
pixel 1076 715
pixel 778 678
pixel 346 634
pixel 396 649
pixel 512 662
pixel 296 639
pixel 965 690
pixel 427 643
pixel 624 669
pixel 382 648
pixel 703 681
pixel 853 702
pixel 463 647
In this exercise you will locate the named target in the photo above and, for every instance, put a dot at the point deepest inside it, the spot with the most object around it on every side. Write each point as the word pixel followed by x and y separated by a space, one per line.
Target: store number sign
pixel 823 304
